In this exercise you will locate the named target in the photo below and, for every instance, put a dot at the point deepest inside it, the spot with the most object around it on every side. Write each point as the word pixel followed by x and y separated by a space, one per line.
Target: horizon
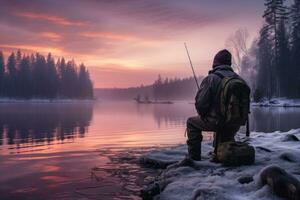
pixel 127 44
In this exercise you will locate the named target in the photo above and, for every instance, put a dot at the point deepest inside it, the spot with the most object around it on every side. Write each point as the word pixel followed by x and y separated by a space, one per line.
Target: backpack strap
pixel 247 127
pixel 218 102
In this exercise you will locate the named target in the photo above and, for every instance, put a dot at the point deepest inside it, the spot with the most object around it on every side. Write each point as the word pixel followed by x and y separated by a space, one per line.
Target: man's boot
pixel 194 149
pixel 194 141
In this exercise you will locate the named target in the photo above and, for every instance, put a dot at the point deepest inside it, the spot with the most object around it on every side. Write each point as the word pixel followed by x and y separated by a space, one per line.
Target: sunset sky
pixel 127 42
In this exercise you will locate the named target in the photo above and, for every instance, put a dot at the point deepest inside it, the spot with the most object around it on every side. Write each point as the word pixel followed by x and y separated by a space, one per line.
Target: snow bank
pixel 278 102
pixel 206 180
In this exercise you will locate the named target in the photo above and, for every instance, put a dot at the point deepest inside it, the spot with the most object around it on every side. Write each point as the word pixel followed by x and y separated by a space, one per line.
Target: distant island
pixel 37 77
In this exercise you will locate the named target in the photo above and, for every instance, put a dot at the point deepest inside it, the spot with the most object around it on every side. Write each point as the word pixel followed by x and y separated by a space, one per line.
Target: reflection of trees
pixel 175 114
pixel 261 119
pixel 171 115
pixel 273 119
pixel 23 123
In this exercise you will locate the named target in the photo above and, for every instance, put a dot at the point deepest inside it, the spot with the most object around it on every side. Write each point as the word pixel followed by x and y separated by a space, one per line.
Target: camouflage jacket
pixel 206 101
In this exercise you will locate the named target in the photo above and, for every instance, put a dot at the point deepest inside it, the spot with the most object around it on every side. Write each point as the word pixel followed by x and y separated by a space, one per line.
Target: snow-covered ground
pixel 207 180
pixel 278 102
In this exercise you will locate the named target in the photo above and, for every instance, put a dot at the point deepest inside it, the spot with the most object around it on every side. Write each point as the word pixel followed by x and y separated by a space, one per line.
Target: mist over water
pixel 49 149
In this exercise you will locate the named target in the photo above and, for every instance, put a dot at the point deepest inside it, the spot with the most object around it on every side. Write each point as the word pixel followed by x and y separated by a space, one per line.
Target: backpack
pixel 235 154
pixel 234 100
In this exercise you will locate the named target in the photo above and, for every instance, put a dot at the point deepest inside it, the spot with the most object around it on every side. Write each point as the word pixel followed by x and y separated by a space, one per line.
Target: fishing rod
pixel 195 77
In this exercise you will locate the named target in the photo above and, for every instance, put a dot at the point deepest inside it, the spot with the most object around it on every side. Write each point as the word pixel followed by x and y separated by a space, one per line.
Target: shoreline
pixel 207 180
pixel 278 102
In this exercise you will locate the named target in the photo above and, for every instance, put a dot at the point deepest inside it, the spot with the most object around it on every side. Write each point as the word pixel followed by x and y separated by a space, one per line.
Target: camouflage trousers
pixel 195 126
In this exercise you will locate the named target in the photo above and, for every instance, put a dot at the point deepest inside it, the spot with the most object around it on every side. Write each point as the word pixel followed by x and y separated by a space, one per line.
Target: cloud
pixel 140 33
pixel 50 18
pixel 32 48
pixel 169 14
pixel 51 35
pixel 100 27
pixel 110 35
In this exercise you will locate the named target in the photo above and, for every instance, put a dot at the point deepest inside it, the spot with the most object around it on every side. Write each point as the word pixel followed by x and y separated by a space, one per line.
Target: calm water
pixel 89 150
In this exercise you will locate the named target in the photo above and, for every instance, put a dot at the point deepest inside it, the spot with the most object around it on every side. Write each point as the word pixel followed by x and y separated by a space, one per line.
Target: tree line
pixel 272 64
pixel 163 88
pixel 36 76
pixel 279 50
pixel 176 88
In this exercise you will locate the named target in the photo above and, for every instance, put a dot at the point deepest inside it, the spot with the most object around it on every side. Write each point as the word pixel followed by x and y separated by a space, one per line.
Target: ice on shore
pixel 207 180
pixel 278 102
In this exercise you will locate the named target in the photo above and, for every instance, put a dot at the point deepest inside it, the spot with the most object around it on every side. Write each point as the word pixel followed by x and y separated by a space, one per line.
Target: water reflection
pixel 116 123
pixel 274 119
pixel 173 114
pixel 44 167
pixel 43 123
pixel 261 118
pixel 168 114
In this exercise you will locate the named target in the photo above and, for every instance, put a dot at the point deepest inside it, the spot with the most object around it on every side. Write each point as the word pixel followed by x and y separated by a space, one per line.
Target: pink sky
pixel 127 42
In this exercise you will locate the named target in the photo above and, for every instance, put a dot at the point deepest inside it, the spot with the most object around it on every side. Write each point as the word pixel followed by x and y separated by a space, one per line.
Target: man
pixel 207 106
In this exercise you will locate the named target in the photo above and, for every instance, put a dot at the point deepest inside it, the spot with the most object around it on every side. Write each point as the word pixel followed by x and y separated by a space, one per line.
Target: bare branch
pixel 237 43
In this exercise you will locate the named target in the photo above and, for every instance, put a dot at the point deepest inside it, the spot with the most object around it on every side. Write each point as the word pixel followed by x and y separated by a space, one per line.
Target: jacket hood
pixel 223 57
pixel 221 67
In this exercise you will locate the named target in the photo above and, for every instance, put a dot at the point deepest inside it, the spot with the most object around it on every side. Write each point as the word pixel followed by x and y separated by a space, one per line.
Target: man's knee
pixel 194 132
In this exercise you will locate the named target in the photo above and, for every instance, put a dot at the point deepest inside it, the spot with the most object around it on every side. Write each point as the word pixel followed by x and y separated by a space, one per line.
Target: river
pixel 90 150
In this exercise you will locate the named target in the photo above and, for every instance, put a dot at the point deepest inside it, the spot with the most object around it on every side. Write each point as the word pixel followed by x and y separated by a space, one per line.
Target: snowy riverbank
pixel 278 102
pixel 206 180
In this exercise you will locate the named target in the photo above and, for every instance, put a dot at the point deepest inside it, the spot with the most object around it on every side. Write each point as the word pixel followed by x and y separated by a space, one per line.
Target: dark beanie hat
pixel 223 57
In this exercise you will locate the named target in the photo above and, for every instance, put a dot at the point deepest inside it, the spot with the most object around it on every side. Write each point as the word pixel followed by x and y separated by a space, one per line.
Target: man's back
pixel 207 98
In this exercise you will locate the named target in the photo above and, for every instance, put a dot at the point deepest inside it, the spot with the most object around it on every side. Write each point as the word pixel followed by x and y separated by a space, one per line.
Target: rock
pixel 154 189
pixel 153 163
pixel 288 157
pixel 290 138
pixel 282 183
pixel 263 149
pixel 151 191
pixel 213 193
pixel 236 154
pixel 274 102
pixel 186 162
pixel 245 179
